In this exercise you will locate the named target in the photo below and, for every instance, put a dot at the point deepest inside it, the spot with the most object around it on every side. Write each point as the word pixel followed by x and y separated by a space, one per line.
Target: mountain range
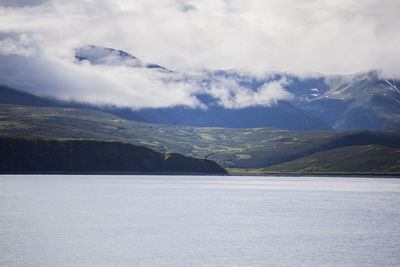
pixel 235 148
pixel 362 101
pixel 330 124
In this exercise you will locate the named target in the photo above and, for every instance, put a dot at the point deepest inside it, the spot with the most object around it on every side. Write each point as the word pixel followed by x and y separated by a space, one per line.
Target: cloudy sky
pixel 38 38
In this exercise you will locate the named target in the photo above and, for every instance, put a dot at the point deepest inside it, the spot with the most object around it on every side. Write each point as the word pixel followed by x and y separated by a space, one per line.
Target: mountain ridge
pixel 33 154
pixel 364 159
pixel 230 147
pixel 361 101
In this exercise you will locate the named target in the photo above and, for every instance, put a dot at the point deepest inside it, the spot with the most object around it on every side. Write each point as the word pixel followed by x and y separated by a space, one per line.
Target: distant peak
pixel 98 55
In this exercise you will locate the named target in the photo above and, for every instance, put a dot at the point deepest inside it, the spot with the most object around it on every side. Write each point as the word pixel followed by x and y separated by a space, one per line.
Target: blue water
pixel 198 221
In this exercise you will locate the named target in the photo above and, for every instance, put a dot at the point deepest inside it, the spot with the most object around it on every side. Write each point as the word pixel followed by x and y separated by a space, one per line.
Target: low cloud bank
pixel 104 76
pixel 38 39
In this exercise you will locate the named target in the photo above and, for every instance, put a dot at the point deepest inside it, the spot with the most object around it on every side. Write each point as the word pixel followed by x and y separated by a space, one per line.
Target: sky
pixel 38 39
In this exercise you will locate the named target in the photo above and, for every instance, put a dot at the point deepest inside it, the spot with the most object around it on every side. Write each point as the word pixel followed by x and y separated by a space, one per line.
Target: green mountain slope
pixel 32 154
pixel 247 148
pixel 351 159
pixel 230 147
pixel 12 96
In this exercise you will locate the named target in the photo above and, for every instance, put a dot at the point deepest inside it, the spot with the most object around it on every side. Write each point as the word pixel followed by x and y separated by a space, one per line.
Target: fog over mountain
pixel 39 40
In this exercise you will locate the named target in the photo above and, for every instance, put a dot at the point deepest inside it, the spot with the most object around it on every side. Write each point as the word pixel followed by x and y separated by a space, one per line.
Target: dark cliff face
pixel 51 155
pixel 175 162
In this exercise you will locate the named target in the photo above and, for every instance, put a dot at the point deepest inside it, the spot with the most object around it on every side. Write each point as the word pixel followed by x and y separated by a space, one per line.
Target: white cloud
pixel 253 36
pixel 98 84
pixel 231 95
pixel 17 45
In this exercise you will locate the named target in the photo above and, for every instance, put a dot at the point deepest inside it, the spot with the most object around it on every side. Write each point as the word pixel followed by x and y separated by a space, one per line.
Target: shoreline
pixel 123 173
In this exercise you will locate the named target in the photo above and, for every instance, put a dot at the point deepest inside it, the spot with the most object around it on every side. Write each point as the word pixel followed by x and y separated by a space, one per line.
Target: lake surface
pixel 198 221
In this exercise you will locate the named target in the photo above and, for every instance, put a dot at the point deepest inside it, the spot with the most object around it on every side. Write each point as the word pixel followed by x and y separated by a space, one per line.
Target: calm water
pixel 198 221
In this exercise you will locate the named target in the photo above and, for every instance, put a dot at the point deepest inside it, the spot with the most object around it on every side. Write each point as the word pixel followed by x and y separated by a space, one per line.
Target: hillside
pixel 12 96
pixel 372 159
pixel 360 101
pixel 254 147
pixel 355 102
pixel 282 115
pixel 43 155
pixel 230 147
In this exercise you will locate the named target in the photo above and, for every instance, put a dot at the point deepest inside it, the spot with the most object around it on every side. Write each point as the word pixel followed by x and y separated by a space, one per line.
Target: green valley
pixel 253 148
